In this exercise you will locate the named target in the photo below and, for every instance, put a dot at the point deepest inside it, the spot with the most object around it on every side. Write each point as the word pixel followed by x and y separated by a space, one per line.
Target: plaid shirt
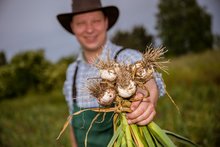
pixel 86 71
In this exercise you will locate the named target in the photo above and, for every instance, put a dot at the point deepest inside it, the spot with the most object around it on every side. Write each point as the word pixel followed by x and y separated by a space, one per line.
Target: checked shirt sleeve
pixel 160 83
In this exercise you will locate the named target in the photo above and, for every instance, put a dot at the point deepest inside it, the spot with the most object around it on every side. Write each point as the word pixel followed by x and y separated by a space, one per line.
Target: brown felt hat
pixel 83 6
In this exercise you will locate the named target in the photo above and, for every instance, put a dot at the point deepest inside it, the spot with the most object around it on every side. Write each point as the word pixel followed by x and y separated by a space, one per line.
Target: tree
pixel 2 58
pixel 56 73
pixel 183 26
pixel 138 38
pixel 216 41
pixel 30 69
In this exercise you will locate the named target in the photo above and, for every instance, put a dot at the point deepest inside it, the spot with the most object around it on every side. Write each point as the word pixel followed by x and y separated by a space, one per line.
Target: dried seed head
pixel 102 64
pixel 153 57
pixel 96 88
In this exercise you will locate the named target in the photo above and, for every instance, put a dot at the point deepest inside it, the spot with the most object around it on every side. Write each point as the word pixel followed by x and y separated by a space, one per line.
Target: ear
pixel 71 25
pixel 106 23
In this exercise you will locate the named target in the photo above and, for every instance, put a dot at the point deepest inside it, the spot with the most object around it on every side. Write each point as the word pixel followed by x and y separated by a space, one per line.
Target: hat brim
pixel 111 12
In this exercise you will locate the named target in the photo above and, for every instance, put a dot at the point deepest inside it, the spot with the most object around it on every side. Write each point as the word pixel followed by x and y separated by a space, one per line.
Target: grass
pixel 193 82
pixel 33 120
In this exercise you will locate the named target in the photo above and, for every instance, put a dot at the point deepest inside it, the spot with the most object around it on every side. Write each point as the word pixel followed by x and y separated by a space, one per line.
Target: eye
pixel 97 21
pixel 80 24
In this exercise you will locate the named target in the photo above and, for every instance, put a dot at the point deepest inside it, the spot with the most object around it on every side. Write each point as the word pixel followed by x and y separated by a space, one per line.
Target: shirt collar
pixel 105 51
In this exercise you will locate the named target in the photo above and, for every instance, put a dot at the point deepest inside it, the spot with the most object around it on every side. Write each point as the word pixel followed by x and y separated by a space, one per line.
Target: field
pixel 193 82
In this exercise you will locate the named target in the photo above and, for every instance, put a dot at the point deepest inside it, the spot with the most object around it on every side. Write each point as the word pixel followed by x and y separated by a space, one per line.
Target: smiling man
pixel 89 23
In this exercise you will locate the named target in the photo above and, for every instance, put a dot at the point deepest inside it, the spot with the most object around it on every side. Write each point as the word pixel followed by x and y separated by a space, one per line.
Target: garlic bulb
pixel 137 65
pixel 108 74
pixel 127 91
pixel 142 72
pixel 107 98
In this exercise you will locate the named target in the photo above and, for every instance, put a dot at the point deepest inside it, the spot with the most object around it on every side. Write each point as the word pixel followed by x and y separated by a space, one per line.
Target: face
pixel 90 29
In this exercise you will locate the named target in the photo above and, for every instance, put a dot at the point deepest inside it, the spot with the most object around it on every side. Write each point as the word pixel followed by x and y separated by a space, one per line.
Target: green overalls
pixel 101 132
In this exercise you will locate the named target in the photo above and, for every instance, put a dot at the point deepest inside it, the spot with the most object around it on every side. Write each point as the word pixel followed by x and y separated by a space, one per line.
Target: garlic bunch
pixel 119 79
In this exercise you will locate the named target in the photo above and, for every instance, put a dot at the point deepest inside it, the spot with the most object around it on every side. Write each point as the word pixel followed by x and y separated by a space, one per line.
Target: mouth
pixel 90 38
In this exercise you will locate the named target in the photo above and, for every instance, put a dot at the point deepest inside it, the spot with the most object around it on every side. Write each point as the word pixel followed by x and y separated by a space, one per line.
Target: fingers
pixel 143 114
pixel 135 104
pixel 148 119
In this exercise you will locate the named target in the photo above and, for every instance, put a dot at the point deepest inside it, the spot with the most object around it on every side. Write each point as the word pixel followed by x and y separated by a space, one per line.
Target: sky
pixel 32 24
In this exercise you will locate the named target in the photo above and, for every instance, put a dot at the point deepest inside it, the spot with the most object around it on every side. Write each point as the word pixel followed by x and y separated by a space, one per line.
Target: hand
pixel 72 138
pixel 143 112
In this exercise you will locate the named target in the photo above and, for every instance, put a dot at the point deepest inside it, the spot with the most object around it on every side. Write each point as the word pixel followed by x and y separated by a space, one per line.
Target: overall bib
pixel 100 133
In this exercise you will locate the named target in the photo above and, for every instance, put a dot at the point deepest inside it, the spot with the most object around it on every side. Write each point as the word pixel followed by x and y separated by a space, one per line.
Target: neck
pixel 90 56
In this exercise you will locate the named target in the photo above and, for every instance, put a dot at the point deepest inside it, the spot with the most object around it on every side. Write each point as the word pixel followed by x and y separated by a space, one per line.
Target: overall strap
pixel 74 92
pixel 74 84
pixel 118 52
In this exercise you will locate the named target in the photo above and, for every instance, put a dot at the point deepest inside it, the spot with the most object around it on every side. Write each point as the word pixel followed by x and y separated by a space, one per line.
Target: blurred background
pixel 35 52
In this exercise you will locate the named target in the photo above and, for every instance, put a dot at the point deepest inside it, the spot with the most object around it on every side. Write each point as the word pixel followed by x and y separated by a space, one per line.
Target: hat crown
pixel 85 5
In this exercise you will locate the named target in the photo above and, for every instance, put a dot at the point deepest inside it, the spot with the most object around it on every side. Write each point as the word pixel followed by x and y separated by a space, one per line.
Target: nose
pixel 89 28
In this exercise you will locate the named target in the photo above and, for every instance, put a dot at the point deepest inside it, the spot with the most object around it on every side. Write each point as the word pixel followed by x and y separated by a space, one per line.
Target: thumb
pixel 135 104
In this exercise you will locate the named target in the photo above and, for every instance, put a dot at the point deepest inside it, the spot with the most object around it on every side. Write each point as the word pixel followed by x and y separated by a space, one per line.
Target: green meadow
pixel 193 82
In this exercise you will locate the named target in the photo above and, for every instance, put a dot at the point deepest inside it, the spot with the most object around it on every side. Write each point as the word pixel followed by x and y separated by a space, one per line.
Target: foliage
pixel 29 67
pixel 67 60
pixel 3 60
pixel 183 26
pixel 138 38
pixel 7 86
pixel 216 41
pixel 194 86
pixel 30 71
pixel 192 82
pixel 23 73
pixel 55 74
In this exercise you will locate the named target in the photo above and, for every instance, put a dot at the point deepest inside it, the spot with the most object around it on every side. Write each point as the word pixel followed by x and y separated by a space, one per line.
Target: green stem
pixel 127 131
pixel 140 142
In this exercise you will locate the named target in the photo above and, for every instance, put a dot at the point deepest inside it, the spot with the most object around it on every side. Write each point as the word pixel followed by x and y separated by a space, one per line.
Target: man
pixel 89 22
